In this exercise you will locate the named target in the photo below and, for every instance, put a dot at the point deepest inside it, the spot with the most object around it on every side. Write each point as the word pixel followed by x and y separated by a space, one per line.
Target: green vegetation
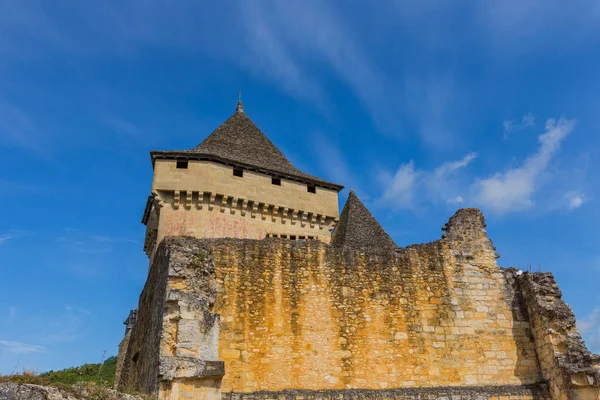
pixel 89 380
pixel 100 374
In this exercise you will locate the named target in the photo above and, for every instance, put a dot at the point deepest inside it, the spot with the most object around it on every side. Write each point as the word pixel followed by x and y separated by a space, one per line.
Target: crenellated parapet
pixel 206 214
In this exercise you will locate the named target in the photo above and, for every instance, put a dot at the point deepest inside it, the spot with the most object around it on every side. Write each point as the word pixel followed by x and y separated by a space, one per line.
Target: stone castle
pixel 259 289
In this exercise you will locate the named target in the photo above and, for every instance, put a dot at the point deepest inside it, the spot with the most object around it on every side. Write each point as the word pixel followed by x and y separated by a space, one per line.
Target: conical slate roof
pixel 240 142
pixel 358 229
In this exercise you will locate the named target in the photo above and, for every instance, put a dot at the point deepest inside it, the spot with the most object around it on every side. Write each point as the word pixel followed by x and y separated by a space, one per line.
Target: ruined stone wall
pixel 141 355
pixel 572 371
pixel 265 319
pixel 301 315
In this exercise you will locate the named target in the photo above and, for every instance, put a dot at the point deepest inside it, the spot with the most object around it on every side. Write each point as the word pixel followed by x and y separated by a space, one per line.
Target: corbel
pixel 254 209
pixel 200 202
pixel 224 203
pixel 176 199
pixel 244 207
pixel 303 218
pixel 321 221
pixel 188 199
pixel 234 203
pixel 313 220
pixel 211 201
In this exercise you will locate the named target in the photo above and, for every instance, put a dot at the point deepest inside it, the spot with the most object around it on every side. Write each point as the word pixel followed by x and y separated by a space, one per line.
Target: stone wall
pixel 207 200
pixel 287 319
pixel 572 371
pixel 140 370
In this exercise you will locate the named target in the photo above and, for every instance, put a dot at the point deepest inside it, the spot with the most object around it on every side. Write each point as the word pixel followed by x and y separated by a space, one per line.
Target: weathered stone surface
pixel 280 319
pixel 21 391
pixel 432 393
pixel 189 367
pixel 565 361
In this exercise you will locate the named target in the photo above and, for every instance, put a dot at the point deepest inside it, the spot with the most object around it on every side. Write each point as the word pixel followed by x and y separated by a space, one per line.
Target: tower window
pixel 276 181
pixel 238 172
pixel 182 164
pixel 311 188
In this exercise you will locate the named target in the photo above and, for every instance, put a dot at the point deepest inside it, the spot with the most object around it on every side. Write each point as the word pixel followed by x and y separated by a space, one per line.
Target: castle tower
pixel 236 184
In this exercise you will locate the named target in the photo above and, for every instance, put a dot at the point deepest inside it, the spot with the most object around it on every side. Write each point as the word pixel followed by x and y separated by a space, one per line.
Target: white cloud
pixel 528 121
pixel 589 327
pixel 574 199
pixel 288 40
pixel 509 191
pixel 14 234
pixel 399 192
pixel 409 184
pixel 513 189
pixel 20 348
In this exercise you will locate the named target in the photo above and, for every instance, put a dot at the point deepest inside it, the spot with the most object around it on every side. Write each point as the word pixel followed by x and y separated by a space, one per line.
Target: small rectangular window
pixel 182 164
pixel 238 172
pixel 311 188
pixel 276 181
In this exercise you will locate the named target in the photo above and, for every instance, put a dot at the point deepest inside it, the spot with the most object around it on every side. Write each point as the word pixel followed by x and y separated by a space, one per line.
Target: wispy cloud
pixel 66 326
pixel 589 327
pixel 528 121
pixel 574 199
pixel 432 102
pixel 20 348
pixel 333 162
pixel 13 234
pixel 409 185
pixel 513 189
pixel 503 192
pixel 89 243
pixel 120 125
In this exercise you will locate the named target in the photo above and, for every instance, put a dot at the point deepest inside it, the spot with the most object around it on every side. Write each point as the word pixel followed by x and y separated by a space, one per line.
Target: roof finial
pixel 240 106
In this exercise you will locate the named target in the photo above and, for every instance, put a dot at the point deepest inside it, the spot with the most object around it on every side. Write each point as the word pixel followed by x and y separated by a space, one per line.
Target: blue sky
pixel 421 108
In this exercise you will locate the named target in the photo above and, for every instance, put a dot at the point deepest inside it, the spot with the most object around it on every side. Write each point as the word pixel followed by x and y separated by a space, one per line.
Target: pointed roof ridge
pixel 359 230
pixel 239 141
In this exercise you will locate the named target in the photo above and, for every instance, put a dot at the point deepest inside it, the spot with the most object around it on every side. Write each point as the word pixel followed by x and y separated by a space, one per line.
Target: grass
pixel 89 381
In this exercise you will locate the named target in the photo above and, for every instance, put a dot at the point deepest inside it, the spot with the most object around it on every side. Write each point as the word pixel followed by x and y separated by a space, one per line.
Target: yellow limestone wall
pixel 248 210
pixel 271 319
pixel 212 177
pixel 301 318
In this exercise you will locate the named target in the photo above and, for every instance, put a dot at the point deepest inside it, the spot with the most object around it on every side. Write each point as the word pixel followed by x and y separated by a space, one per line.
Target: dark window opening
pixel 135 356
pixel 182 164
pixel 311 188
pixel 302 237
pixel 293 237
pixel 276 181
pixel 238 172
